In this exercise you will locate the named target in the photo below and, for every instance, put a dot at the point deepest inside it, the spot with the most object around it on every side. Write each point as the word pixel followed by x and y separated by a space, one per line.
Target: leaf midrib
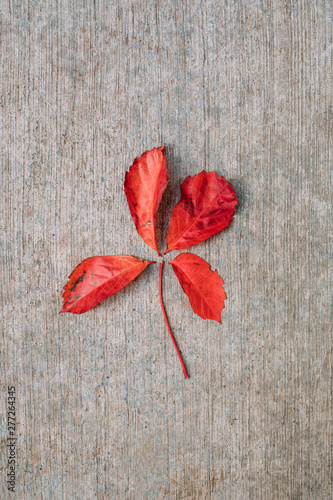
pixel 195 286
pixel 102 284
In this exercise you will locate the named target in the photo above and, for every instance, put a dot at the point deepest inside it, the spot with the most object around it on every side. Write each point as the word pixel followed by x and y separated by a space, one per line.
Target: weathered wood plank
pixel 103 412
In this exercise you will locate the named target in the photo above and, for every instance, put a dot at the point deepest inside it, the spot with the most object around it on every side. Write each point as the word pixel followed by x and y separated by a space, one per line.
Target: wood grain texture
pixel 241 87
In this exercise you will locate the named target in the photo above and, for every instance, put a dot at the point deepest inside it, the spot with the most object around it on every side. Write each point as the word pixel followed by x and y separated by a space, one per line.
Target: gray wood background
pixel 241 87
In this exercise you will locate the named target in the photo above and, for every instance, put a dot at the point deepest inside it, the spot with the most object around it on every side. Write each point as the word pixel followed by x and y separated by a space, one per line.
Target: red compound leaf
pixel 96 278
pixel 206 206
pixel 202 286
pixel 144 185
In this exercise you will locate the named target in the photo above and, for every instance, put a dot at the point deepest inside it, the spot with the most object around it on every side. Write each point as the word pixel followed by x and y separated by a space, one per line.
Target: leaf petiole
pixel 167 323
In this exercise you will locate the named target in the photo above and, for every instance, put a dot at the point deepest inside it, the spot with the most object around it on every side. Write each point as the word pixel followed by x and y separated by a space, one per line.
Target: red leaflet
pixel 206 206
pixel 202 286
pixel 144 185
pixel 97 278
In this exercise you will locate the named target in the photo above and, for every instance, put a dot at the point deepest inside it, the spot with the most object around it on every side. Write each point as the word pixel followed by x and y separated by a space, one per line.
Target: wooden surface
pixel 241 87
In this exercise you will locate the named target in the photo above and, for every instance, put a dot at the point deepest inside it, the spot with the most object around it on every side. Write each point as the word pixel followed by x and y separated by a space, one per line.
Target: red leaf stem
pixel 168 326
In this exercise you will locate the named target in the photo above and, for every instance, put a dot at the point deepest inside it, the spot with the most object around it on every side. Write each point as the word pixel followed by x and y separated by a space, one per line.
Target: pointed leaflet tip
pixel 97 278
pixel 206 206
pixel 144 185
pixel 202 286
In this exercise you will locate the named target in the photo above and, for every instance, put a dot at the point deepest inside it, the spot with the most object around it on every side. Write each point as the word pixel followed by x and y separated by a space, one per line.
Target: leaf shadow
pixel 240 193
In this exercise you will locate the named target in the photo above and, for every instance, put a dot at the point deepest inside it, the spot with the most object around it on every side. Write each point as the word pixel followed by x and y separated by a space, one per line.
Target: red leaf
pixel 206 206
pixel 96 278
pixel 144 185
pixel 202 286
